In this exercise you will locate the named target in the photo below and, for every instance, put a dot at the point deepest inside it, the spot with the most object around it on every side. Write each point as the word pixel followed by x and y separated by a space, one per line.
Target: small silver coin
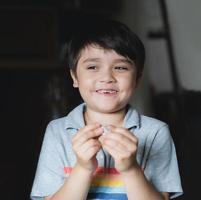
pixel 105 130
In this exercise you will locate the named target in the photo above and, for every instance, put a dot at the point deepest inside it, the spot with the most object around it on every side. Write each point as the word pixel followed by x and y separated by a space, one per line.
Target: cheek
pixel 84 83
pixel 128 83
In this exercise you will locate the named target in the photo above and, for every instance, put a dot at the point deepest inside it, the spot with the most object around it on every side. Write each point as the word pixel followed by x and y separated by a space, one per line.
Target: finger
pixel 123 131
pixel 90 153
pixel 86 135
pixel 88 149
pixel 118 142
pixel 119 138
pixel 122 137
pixel 89 144
pixel 86 129
pixel 120 146
pixel 115 153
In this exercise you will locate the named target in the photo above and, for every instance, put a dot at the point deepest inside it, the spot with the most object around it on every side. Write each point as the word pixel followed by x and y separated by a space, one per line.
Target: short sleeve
pixel 162 166
pixel 48 177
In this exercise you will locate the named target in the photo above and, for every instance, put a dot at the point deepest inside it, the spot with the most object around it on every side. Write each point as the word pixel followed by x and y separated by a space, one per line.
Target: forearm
pixel 138 187
pixel 76 186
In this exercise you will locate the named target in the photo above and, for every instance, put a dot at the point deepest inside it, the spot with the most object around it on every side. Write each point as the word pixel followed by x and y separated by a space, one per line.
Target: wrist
pixel 83 170
pixel 134 170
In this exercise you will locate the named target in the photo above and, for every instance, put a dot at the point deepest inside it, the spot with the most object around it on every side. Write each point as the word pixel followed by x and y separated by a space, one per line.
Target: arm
pixel 85 146
pixel 138 186
pixel 73 188
pixel 123 147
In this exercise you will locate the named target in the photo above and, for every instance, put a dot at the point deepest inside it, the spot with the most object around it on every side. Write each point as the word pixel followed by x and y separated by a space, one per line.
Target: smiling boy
pixel 136 158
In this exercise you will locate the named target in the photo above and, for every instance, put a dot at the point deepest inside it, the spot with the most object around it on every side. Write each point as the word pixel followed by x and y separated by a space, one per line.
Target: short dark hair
pixel 108 34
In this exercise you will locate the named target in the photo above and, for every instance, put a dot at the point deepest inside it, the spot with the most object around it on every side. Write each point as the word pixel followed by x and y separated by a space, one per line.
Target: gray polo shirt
pixel 156 156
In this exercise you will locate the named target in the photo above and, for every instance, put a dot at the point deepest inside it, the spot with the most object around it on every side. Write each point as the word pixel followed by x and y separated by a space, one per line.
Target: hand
pixel 86 145
pixel 122 146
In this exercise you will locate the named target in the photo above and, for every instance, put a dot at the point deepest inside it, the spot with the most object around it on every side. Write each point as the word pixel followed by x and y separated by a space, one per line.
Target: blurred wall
pixel 131 15
pixel 184 15
pixel 185 20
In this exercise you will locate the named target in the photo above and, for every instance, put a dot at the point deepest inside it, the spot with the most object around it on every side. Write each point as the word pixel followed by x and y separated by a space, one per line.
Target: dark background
pixel 36 87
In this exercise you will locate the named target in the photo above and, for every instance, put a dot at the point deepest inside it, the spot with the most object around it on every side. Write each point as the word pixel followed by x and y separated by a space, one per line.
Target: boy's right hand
pixel 86 145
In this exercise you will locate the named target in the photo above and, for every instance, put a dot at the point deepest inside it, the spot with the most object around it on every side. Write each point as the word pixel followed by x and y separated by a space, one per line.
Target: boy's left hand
pixel 122 146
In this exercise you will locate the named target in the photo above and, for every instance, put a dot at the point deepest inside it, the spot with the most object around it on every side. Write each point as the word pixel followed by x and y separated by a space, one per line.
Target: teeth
pixel 107 91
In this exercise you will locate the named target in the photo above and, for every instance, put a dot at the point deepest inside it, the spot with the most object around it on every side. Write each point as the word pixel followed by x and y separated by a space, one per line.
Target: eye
pixel 121 68
pixel 93 67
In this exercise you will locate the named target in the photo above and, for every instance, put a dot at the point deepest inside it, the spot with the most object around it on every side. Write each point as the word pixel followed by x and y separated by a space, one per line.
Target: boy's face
pixel 106 80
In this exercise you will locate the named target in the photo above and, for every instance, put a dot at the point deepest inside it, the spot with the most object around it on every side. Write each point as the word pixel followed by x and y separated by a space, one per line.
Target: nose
pixel 107 76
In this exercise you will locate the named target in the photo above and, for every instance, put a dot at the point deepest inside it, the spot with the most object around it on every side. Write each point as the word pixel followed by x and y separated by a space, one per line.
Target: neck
pixel 116 118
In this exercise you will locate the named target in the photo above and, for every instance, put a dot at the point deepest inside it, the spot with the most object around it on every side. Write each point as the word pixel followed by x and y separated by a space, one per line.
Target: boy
pixel 104 149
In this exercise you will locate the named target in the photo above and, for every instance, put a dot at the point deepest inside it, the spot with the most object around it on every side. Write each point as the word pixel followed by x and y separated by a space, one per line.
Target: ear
pixel 73 76
pixel 138 79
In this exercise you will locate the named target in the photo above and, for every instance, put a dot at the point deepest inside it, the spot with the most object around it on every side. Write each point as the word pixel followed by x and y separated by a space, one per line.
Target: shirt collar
pixel 132 118
pixel 75 119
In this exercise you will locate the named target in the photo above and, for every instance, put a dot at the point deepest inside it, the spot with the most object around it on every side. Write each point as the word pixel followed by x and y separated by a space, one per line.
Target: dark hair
pixel 108 34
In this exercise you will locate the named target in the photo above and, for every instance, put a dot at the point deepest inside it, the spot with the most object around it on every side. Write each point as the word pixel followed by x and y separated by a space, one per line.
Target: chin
pixel 108 110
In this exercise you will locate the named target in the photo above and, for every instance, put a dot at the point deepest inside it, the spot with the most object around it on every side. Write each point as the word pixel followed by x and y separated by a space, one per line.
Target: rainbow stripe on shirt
pixel 106 184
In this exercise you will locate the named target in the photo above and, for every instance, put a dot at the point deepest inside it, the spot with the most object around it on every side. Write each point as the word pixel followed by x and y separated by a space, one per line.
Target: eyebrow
pixel 123 60
pixel 91 60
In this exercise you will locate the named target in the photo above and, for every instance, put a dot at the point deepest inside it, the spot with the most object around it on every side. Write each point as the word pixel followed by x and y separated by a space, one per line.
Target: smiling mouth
pixel 107 91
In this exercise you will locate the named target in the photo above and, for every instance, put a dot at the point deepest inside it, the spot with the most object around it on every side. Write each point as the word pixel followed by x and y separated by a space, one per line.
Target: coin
pixel 105 129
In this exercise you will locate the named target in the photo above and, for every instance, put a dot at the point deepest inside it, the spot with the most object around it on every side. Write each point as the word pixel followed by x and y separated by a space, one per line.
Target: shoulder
pixel 55 130
pixel 156 132
pixel 152 129
pixel 57 123
pixel 144 126
pixel 134 118
pixel 151 123
pixel 72 121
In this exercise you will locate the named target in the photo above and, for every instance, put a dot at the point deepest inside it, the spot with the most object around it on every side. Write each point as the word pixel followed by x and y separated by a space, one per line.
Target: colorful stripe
pixel 99 170
pixel 107 180
pixel 102 170
pixel 106 184
pixel 103 189
pixel 107 196
pixel 67 170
